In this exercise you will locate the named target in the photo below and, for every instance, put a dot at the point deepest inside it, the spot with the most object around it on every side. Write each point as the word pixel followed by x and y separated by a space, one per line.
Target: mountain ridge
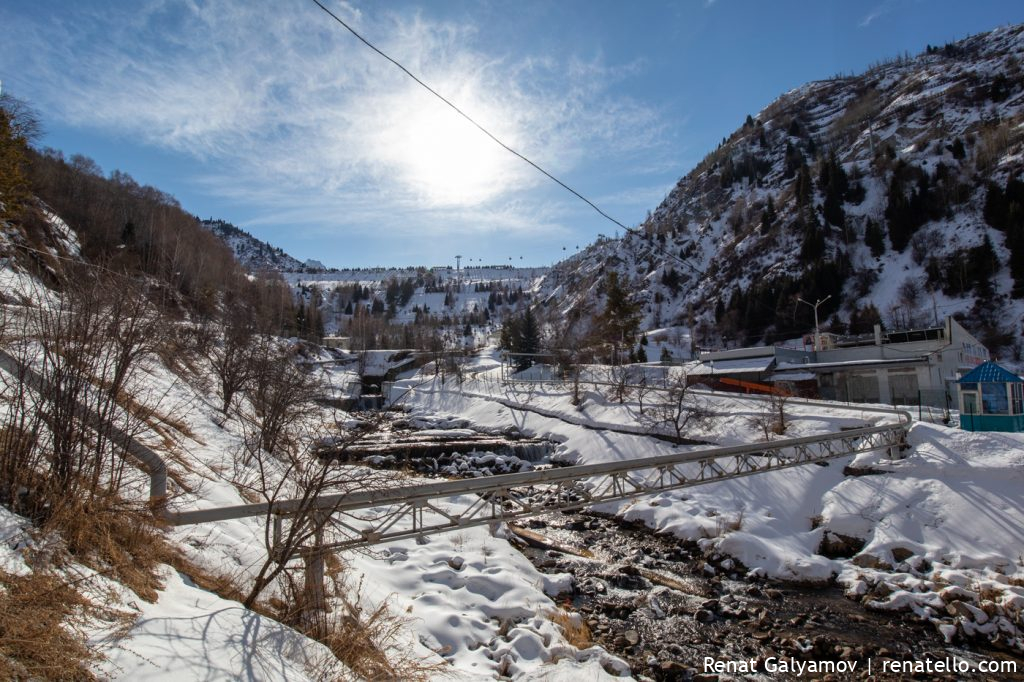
pixel 875 190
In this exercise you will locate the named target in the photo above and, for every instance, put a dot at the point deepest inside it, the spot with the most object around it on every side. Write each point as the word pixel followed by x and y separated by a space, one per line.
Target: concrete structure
pixel 991 399
pixel 904 367
pixel 340 342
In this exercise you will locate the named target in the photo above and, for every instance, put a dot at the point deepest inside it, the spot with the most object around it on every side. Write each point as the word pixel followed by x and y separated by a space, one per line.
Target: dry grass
pixel 113 538
pixel 35 642
pixel 572 626
pixel 370 645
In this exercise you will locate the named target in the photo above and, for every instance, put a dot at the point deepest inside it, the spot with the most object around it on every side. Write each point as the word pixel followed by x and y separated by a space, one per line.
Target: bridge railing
pixel 366 518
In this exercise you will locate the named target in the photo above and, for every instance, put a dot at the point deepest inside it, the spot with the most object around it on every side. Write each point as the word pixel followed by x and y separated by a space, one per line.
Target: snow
pixel 956 500
pixel 745 365
pixel 953 499
pixel 484 612
pixel 193 634
pixel 14 540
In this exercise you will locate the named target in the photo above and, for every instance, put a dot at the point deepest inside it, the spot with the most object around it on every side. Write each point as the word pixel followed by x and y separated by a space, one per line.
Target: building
pixel 904 367
pixel 991 399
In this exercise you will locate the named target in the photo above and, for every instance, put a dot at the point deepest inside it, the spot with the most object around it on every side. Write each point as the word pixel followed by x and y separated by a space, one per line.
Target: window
pixel 968 387
pixel 1018 398
pixel 993 399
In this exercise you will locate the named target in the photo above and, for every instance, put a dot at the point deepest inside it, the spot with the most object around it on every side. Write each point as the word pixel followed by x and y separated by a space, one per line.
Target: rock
pixel 869 561
pixel 966 611
pixel 710 605
pixel 456 562
pixel 632 636
pixel 883 589
pixel 957 593
pixel 703 616
pixel 774 594
pixel 901 554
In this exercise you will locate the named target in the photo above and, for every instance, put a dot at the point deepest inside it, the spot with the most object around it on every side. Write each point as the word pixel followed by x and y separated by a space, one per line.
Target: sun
pixel 448 160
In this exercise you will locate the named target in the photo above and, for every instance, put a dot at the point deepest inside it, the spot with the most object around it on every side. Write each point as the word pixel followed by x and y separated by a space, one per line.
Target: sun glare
pixel 449 160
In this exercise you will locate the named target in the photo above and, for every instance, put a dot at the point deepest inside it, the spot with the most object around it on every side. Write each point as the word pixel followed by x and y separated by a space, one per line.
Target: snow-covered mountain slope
pixel 254 254
pixel 888 189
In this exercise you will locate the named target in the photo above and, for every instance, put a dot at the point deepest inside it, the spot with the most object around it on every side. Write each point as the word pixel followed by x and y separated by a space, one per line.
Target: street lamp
pixel 817 332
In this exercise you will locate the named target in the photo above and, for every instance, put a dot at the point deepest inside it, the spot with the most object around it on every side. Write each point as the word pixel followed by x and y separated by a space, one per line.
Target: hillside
pixel 894 192
pixel 254 254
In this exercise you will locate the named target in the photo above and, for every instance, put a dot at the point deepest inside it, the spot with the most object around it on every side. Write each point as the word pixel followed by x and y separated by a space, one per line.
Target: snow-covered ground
pixel 948 515
pixel 950 512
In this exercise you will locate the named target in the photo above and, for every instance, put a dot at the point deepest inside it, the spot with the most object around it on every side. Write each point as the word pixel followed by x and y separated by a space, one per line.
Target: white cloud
pixel 875 13
pixel 304 115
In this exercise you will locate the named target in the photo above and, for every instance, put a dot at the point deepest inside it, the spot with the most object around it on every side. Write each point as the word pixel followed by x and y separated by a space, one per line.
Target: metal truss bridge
pixel 368 518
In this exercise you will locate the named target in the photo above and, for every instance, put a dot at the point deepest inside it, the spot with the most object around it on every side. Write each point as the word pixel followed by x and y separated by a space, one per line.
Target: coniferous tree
pixel 768 216
pixel 874 238
pixel 618 323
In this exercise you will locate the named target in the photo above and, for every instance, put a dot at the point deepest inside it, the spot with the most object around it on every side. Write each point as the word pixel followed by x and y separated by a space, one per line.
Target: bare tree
pixel 676 409
pixel 280 394
pixel 301 477
pixel 231 359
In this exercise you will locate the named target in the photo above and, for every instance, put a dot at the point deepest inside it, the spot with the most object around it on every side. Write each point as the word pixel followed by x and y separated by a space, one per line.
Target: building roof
pixel 990 372
pixel 742 366
pixel 870 363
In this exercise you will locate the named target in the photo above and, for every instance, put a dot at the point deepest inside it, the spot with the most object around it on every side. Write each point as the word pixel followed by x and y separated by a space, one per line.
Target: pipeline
pixel 149 460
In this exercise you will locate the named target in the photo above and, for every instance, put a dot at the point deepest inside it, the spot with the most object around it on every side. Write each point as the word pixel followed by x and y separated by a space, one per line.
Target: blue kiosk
pixel 991 399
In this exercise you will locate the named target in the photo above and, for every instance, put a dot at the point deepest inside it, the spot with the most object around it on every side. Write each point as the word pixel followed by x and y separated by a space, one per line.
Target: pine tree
pixel 874 238
pixel 768 216
pixel 958 151
pixel 529 335
pixel 618 323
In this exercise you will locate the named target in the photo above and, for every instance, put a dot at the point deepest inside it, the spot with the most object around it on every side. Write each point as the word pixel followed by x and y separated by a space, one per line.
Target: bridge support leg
pixel 314 604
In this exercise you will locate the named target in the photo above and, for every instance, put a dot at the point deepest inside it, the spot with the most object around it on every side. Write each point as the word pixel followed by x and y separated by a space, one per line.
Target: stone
pixel 456 563
pixel 901 554
pixel 703 616
pixel 632 636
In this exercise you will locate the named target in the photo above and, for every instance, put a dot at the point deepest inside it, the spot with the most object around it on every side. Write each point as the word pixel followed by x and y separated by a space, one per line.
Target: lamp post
pixel 817 332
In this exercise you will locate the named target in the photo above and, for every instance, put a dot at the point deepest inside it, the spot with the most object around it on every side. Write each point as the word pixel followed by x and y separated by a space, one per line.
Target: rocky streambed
pixel 667 609
pixel 439 446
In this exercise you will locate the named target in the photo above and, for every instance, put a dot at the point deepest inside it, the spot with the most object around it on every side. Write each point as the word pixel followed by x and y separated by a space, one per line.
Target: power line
pixel 488 133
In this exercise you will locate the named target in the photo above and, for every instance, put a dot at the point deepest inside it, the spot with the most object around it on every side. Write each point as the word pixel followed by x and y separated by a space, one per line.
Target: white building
pixel 905 367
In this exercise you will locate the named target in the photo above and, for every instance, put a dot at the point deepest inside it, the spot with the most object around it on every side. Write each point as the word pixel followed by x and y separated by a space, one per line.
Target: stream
pixel 664 607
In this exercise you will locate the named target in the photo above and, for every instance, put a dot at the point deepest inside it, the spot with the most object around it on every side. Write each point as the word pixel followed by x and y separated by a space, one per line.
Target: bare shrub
pixel 771 418
pixel 280 394
pixel 68 421
pixel 230 359
pixel 300 476
pixel 676 409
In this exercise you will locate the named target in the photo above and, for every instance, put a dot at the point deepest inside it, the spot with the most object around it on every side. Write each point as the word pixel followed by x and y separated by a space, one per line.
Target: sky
pixel 272 116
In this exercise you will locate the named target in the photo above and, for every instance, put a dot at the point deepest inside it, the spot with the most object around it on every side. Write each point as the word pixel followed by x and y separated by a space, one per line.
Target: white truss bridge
pixel 362 519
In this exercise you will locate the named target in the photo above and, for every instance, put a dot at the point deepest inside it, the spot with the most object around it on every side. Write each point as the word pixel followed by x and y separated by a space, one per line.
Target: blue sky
pixel 271 116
